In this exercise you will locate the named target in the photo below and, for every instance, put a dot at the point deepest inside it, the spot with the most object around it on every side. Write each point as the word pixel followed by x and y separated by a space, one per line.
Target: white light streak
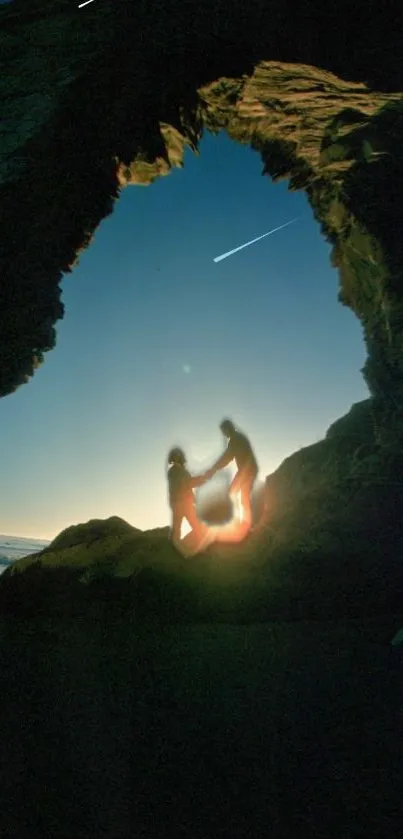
pixel 229 253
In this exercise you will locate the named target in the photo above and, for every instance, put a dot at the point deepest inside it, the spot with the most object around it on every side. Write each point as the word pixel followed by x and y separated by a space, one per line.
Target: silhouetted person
pixel 240 450
pixel 181 497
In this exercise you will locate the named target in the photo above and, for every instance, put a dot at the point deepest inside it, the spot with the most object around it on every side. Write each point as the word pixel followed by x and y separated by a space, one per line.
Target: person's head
pixel 177 455
pixel 227 427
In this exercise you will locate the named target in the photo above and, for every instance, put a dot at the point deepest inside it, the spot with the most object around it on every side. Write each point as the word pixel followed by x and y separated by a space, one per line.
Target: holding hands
pixel 208 474
pixel 203 478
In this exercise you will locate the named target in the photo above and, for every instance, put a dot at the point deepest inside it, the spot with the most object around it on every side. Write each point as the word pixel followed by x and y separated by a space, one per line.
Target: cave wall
pixel 339 141
pixel 94 99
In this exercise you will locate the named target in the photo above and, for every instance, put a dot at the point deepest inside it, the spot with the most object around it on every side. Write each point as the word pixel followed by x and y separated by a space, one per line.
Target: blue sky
pixel 159 343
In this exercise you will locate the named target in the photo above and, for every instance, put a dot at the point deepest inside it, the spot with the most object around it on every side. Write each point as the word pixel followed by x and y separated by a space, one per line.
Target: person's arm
pixel 198 480
pixel 222 461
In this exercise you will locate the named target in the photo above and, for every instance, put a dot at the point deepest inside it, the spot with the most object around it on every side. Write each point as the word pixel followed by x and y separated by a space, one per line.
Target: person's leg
pixel 233 492
pixel 235 485
pixel 198 527
pixel 246 501
pixel 242 484
pixel 202 534
pixel 177 517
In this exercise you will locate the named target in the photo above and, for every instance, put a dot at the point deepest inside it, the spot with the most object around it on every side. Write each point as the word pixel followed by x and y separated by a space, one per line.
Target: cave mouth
pixel 337 140
pixel 221 158
pixel 324 119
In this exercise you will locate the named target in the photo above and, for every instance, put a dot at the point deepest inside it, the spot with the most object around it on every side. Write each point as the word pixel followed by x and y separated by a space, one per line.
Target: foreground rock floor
pixel 199 731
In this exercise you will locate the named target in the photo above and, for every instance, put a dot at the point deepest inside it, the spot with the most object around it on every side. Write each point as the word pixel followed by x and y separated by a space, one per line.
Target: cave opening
pixel 328 126
pixel 159 343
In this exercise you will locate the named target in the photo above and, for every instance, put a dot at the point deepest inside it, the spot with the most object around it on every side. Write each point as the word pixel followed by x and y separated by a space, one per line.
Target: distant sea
pixel 15 547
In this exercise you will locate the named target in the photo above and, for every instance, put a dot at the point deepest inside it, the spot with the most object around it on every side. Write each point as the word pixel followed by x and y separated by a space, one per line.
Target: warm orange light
pixel 237 528
pixel 240 507
pixel 232 531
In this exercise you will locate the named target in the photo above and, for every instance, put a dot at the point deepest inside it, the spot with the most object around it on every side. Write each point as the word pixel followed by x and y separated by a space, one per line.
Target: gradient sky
pixel 159 343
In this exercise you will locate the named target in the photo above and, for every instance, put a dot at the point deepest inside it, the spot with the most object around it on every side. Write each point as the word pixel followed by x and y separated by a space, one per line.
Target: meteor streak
pixel 229 253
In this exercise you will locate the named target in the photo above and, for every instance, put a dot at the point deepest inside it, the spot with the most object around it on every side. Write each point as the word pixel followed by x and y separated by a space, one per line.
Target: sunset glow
pixel 240 507
pixel 158 344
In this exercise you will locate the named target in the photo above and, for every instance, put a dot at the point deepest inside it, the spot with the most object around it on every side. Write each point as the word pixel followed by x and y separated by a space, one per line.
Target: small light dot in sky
pixel 186 368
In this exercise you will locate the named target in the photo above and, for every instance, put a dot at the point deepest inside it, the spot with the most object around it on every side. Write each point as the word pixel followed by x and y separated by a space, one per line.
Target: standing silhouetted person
pixel 240 450
pixel 181 497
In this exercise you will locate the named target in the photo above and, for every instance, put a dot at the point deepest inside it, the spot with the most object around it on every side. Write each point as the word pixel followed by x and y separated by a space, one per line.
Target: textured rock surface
pixel 96 98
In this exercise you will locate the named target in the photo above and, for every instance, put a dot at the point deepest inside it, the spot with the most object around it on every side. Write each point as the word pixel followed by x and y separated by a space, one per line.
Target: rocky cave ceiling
pixel 94 99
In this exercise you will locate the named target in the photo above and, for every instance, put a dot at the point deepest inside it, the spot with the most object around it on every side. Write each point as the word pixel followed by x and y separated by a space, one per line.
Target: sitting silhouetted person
pixel 240 450
pixel 182 500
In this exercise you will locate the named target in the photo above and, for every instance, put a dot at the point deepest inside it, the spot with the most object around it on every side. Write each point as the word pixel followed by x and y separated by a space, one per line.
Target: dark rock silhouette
pixel 119 730
pixel 87 534
pixel 146 690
